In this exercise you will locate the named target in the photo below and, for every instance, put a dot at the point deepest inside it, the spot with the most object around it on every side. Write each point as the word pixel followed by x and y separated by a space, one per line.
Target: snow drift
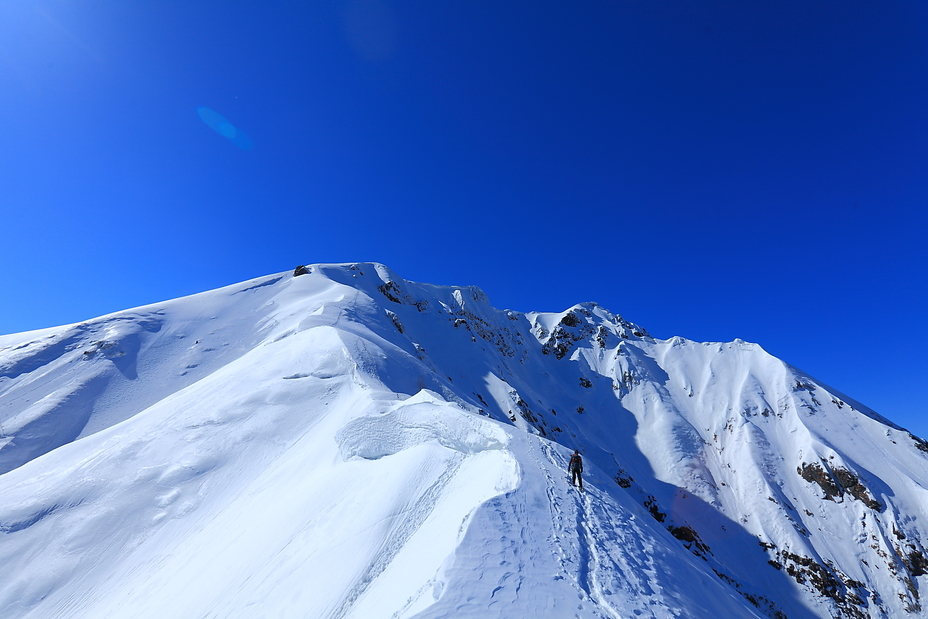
pixel 349 444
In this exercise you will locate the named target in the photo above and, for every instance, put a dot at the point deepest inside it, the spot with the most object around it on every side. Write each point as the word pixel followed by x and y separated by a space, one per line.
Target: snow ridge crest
pixel 420 436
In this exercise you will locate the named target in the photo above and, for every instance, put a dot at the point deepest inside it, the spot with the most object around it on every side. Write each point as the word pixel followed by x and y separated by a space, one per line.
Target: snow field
pixel 251 489
pixel 550 550
pixel 348 444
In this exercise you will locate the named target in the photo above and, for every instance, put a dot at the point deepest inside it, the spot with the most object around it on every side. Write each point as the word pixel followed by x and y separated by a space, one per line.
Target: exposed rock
pixel 853 486
pixel 396 321
pixel 848 595
pixel 836 481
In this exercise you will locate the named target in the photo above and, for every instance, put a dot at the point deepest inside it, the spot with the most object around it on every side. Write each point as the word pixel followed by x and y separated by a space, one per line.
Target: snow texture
pixel 348 444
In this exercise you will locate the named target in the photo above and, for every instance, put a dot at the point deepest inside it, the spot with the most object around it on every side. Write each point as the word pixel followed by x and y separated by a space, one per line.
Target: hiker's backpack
pixel 576 463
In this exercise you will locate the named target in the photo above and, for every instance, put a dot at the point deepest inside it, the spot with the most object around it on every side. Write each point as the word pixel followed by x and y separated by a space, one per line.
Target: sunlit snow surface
pixel 348 444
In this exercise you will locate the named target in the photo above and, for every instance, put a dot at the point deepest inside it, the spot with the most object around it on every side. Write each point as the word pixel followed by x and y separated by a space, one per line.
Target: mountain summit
pixel 342 443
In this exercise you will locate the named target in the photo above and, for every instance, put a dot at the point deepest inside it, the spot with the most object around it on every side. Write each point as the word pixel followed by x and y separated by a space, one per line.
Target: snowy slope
pixel 349 444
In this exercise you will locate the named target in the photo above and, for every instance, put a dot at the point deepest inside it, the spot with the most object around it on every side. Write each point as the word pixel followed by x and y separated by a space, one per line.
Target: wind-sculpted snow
pixel 413 424
pixel 347 444
pixel 74 381
pixel 549 550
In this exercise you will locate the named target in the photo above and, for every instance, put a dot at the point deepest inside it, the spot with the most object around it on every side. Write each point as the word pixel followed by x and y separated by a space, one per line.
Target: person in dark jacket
pixel 575 468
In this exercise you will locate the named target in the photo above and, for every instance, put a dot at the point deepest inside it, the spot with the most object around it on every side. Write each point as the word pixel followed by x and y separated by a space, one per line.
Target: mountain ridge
pixel 743 471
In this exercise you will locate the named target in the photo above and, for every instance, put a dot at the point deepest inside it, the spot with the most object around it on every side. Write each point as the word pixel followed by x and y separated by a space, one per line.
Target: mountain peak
pixel 340 442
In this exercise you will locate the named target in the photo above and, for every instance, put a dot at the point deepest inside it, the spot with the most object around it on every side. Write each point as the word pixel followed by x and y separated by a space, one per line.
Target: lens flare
pixel 218 123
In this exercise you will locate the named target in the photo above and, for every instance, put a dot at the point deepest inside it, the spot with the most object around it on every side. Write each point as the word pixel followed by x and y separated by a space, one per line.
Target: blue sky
pixel 714 169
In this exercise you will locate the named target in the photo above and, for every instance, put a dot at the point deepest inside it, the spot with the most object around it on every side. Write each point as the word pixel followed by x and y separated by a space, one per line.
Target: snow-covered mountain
pixel 345 443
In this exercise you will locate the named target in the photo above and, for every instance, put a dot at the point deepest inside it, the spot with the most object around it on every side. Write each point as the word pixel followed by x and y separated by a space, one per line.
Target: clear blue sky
pixel 714 169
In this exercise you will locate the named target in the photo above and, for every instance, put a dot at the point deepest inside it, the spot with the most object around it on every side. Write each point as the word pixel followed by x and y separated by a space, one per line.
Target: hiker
pixel 575 468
